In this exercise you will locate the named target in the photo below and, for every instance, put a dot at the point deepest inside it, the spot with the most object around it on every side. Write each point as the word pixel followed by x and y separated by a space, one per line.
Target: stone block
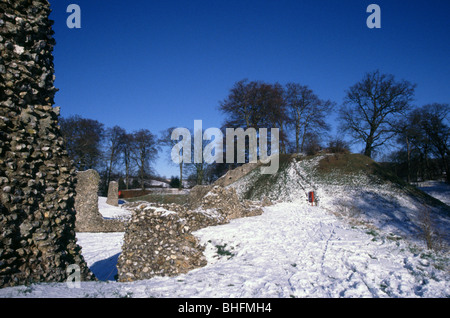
pixel 113 194
pixel 88 217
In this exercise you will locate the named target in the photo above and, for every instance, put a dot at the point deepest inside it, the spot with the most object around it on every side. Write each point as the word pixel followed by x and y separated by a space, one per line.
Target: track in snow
pixel 291 250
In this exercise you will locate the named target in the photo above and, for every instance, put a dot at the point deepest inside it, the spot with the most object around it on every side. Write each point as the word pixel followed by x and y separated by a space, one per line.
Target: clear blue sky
pixel 156 64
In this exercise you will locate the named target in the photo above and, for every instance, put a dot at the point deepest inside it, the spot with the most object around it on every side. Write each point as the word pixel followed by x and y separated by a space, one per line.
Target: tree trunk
pixel 142 180
pixel 200 169
pixel 127 176
pixel 445 165
pixel 109 171
pixel 303 140
pixel 181 176
pixel 142 172
pixel 369 143
pixel 408 160
pixel 127 169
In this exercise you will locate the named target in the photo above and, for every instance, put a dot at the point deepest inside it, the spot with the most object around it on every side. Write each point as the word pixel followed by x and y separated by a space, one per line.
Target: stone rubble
pixel 159 241
pixel 235 174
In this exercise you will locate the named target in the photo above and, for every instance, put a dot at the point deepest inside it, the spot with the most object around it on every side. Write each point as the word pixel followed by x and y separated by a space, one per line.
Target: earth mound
pixel 352 186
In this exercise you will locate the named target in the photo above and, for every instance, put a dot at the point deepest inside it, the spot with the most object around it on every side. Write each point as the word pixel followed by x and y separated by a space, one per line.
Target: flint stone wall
pixel 158 239
pixel 113 194
pixel 226 202
pixel 37 215
pixel 157 242
pixel 88 218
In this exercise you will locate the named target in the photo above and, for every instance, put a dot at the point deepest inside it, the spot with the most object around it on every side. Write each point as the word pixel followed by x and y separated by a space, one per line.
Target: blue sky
pixel 156 64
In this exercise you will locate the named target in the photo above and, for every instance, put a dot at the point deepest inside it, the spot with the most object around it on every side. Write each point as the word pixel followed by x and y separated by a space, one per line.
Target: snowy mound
pixel 353 186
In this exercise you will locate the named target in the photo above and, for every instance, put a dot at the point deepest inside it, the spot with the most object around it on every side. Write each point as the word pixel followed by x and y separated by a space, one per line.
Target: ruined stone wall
pixel 159 241
pixel 225 202
pixel 37 215
pixel 89 218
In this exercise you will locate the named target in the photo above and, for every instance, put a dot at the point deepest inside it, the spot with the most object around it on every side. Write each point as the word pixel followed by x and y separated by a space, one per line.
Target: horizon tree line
pixel 377 113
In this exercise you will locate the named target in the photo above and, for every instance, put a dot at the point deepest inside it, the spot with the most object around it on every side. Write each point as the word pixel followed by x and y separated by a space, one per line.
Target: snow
pixel 110 211
pixel 291 250
pixel 156 183
pixel 438 189
pixel 359 196
pixel 101 252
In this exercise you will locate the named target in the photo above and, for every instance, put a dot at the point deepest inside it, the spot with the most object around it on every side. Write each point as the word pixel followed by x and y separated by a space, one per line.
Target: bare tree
pixel 239 105
pixel 198 170
pixel 404 135
pixel 434 125
pixel 371 106
pixel 145 150
pixel 166 140
pixel 127 151
pixel 338 145
pixel 311 143
pixel 306 113
pixel 425 135
pixel 83 140
pixel 114 138
pixel 254 104
pixel 277 116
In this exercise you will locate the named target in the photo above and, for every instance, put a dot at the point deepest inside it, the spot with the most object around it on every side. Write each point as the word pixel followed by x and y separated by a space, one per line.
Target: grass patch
pixel 341 166
pixel 375 234
pixel 221 250
pixel 356 164
pixel 262 183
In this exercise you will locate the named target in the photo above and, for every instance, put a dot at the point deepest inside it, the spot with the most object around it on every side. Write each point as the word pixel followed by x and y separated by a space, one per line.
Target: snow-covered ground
pixel 110 211
pixel 438 189
pixel 358 195
pixel 291 250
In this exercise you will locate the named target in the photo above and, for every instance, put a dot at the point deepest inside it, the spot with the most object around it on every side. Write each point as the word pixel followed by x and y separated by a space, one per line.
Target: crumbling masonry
pixel 89 218
pixel 37 216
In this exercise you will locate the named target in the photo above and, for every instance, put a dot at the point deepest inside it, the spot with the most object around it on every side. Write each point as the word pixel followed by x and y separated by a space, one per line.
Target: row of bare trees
pixel 376 115
pixel 117 154
pixel 294 107
pixel 424 138
pixel 92 146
